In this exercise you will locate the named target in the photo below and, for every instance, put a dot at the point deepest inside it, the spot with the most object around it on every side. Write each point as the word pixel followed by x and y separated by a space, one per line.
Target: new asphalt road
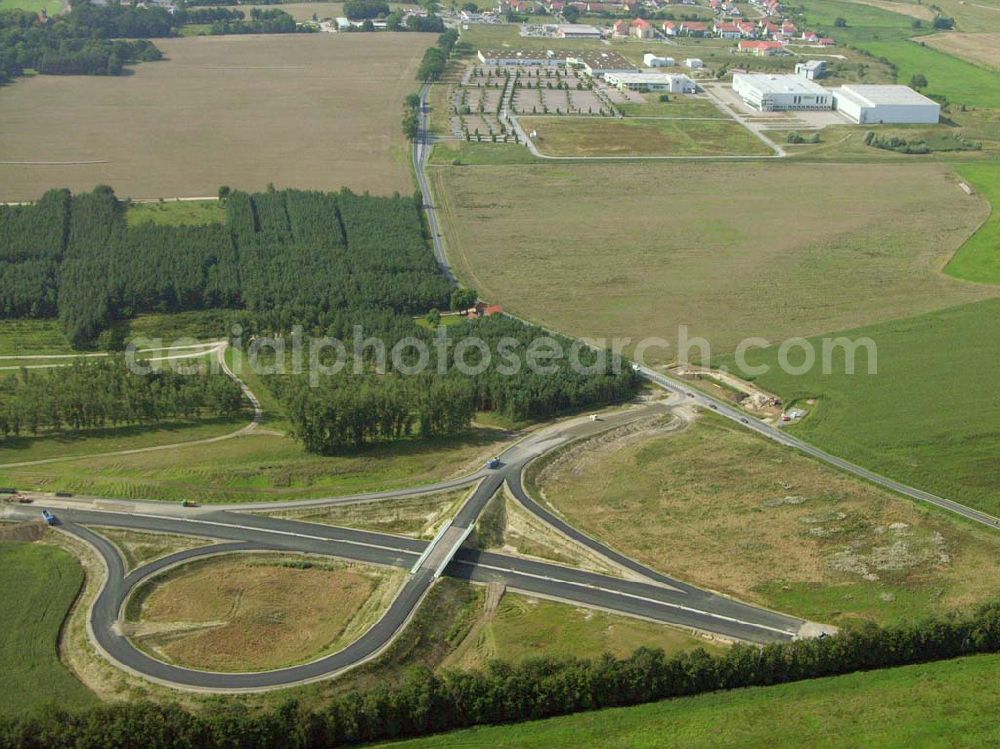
pixel 649 594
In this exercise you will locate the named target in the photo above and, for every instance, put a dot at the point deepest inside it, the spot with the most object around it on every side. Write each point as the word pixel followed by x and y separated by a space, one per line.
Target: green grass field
pixel 632 136
pixel 38 584
pixel 52 7
pixel 679 105
pixel 950 704
pixel 949 76
pixel 929 417
pixel 886 34
pixel 539 238
pixel 979 258
pixel 481 154
pixel 523 627
pixel 257 468
pixel 177 212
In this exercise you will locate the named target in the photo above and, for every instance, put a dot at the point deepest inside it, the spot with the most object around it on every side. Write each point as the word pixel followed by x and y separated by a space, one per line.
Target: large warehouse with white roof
pixel 874 104
pixel 775 93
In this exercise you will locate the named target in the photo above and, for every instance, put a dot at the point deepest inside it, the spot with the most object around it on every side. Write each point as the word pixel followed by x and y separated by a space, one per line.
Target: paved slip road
pixel 657 597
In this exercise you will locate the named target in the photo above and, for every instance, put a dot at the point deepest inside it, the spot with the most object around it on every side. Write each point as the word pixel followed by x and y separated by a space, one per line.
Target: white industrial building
pixel 811 69
pixel 694 63
pixel 578 31
pixel 654 61
pixel 674 83
pixel 505 57
pixel 877 104
pixel 775 93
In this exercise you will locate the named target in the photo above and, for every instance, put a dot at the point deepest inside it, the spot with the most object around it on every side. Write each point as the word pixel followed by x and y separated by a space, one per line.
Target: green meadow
pixel 928 417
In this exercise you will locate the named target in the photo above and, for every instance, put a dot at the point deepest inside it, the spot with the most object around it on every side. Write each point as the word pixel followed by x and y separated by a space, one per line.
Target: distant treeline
pixel 79 43
pixel 261 22
pixel 287 257
pixel 358 406
pixel 102 39
pixel 98 393
pixel 427 703
pixel 359 10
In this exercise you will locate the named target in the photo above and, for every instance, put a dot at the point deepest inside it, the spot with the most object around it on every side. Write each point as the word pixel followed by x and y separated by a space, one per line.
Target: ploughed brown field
pixel 317 111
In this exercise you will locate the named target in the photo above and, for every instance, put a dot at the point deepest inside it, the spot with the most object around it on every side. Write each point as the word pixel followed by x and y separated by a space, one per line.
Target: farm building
pixel 774 93
pixel 694 63
pixel 502 57
pixel 578 31
pixel 811 69
pixel 652 61
pixel 596 64
pixel 877 104
pixel 675 84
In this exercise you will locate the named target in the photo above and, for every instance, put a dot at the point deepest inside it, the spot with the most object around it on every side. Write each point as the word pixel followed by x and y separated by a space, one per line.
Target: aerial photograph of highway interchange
pixel 542 374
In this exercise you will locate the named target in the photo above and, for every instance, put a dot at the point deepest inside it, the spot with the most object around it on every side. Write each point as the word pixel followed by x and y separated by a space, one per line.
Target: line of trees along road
pixel 427 703
pixel 104 393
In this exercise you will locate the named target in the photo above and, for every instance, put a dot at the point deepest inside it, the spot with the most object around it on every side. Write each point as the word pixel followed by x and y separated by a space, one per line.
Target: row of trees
pixel 98 393
pixel 383 393
pixel 426 702
pixel 352 410
pixel 261 22
pixel 435 58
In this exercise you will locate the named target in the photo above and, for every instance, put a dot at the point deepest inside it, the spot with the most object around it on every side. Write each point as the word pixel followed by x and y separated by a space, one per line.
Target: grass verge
pixel 38 584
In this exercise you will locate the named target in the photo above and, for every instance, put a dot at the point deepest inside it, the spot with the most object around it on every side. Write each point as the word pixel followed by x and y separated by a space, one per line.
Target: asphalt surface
pixel 657 598
pixel 674 603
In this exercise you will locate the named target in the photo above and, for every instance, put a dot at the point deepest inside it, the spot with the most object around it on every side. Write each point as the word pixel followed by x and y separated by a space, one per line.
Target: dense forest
pixel 329 264
pixel 104 393
pixel 358 404
pixel 427 702
pixel 287 257
pixel 80 43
